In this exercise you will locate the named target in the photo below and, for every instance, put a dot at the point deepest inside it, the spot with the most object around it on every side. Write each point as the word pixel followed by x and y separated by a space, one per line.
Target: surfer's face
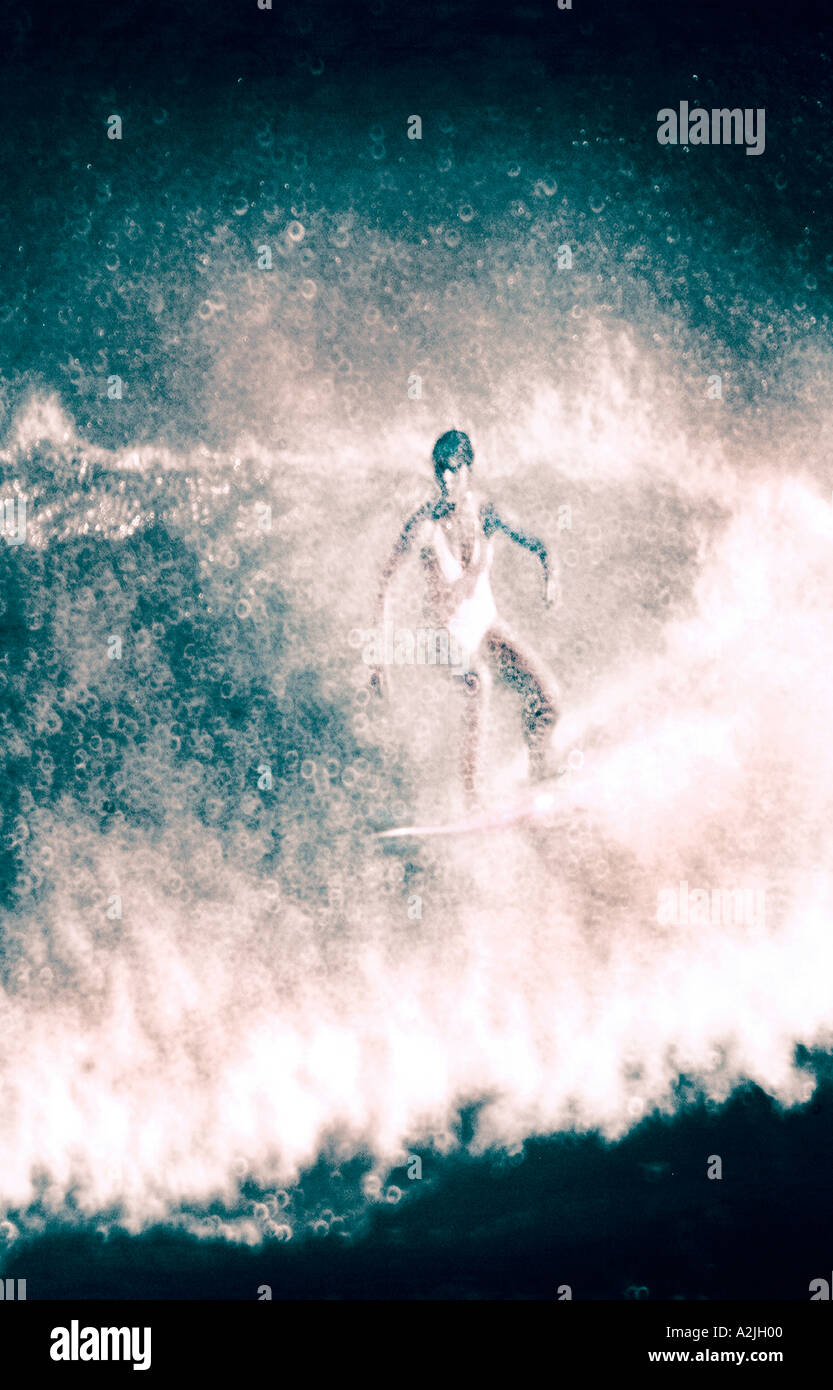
pixel 455 485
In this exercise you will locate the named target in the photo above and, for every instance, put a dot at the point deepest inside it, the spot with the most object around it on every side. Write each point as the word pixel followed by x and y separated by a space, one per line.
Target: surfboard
pixel 537 803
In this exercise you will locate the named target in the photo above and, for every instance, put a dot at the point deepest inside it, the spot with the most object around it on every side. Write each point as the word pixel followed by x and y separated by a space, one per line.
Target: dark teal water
pixel 224 1035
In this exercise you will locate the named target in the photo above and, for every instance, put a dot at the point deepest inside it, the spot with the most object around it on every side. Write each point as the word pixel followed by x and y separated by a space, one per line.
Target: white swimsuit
pixel 473 605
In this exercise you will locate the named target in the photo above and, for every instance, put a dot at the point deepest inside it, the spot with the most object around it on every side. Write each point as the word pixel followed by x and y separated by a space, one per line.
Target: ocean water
pixel 232 1020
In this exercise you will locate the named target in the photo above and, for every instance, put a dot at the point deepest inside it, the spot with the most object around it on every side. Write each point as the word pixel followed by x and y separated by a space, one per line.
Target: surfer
pixel 456 533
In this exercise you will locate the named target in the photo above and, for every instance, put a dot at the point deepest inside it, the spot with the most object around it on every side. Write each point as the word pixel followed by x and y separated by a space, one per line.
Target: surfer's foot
pixel 544 762
pixel 472 800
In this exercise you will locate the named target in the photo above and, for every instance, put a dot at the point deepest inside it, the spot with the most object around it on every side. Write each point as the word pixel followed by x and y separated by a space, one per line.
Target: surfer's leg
pixel 539 691
pixel 475 684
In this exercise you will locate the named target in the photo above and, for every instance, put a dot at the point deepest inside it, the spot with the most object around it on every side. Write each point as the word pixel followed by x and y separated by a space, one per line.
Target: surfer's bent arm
pixel 493 523
pixel 412 527
pixel 409 533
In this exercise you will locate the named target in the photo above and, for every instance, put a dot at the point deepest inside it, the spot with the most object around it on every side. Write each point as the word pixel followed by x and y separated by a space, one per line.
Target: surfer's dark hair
pixel 451 451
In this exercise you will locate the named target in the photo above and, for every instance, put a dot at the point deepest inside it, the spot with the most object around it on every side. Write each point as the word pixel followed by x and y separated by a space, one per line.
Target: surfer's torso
pixel 457 556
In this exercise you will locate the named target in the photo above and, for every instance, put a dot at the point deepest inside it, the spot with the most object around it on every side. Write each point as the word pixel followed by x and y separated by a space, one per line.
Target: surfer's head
pixel 452 452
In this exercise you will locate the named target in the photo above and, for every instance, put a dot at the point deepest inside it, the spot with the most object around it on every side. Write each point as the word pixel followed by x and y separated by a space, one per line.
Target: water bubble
pixel 278 1232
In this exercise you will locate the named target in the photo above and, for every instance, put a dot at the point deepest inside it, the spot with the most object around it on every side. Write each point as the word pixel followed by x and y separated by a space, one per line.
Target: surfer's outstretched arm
pixel 400 550
pixel 492 523
pixel 408 535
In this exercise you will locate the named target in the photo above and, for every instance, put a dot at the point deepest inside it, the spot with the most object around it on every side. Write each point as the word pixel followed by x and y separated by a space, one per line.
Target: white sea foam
pixel 224 1029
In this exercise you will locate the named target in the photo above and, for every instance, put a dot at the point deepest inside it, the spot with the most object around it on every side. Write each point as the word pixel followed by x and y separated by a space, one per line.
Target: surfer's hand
pixel 552 592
